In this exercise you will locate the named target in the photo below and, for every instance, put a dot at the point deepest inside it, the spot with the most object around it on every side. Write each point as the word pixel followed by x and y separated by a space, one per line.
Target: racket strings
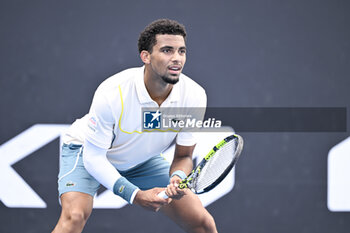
pixel 216 165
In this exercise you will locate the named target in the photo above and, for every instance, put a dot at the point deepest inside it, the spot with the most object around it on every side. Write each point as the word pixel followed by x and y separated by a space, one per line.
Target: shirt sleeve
pixel 187 138
pixel 100 122
pixel 97 164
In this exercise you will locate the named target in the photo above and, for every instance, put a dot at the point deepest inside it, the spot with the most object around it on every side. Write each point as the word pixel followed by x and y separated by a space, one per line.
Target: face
pixel 168 57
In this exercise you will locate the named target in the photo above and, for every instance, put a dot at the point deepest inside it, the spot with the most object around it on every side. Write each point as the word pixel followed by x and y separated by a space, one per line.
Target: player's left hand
pixel 173 191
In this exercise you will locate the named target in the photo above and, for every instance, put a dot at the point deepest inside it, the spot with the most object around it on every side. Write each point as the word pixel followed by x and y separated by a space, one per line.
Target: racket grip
pixel 163 195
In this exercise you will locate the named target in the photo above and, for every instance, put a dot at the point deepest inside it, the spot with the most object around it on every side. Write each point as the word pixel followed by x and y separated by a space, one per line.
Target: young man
pixel 108 147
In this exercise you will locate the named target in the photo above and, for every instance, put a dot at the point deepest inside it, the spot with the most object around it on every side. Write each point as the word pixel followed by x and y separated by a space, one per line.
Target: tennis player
pixel 107 146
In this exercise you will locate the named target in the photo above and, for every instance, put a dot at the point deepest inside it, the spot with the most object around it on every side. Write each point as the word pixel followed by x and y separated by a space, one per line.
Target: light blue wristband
pixel 123 188
pixel 179 173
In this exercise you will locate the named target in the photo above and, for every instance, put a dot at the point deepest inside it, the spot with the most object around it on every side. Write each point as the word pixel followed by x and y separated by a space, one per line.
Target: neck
pixel 156 87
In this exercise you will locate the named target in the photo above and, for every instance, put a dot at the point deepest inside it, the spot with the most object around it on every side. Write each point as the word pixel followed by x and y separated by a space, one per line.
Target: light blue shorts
pixel 73 176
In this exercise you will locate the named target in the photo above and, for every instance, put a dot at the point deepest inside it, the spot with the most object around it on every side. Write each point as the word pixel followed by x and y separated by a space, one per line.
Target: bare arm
pixel 182 162
pixel 182 159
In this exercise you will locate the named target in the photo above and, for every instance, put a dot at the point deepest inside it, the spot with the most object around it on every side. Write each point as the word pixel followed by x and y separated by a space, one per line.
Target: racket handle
pixel 163 195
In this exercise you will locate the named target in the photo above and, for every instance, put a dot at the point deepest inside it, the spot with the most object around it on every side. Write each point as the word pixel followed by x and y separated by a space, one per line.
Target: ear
pixel 145 56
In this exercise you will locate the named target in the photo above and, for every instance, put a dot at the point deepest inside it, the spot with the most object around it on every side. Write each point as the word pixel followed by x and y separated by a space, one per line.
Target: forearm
pixel 181 167
pixel 183 163
pixel 182 159
pixel 97 164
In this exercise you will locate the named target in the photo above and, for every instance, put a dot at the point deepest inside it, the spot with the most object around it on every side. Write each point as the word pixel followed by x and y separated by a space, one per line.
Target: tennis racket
pixel 214 167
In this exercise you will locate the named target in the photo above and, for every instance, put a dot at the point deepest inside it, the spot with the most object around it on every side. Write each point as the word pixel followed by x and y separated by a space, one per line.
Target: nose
pixel 177 58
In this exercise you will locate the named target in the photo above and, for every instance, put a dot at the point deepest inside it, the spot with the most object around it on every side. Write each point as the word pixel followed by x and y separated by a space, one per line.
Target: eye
pixel 182 51
pixel 166 50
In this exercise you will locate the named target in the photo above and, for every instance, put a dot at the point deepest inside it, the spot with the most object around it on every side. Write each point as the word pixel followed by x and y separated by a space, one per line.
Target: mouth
pixel 175 69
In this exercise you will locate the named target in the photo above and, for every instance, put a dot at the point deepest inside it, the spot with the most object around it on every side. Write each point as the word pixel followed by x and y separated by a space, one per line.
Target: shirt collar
pixel 143 94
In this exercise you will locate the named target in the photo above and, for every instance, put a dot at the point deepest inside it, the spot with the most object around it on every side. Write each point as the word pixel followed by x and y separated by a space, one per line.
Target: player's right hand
pixel 173 191
pixel 149 199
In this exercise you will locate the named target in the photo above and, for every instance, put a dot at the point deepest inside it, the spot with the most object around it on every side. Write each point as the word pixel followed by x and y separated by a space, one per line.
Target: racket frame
pixel 188 181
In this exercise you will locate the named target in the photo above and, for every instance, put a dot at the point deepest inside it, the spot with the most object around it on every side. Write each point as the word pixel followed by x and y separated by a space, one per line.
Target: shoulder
pixel 191 93
pixel 190 86
pixel 108 92
pixel 124 78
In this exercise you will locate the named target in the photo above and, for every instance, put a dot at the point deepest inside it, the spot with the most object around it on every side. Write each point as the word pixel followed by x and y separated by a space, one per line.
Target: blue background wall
pixel 244 53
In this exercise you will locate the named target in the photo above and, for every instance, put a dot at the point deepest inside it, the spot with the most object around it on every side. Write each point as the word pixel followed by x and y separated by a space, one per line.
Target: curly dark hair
pixel 147 37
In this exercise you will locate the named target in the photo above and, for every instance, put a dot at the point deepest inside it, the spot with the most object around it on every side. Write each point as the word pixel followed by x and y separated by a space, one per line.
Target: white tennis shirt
pixel 114 121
